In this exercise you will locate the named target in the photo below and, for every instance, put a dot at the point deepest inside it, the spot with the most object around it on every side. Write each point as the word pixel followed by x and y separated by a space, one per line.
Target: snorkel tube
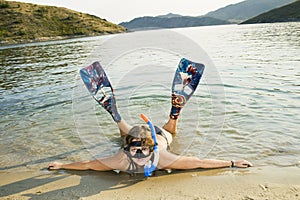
pixel 150 167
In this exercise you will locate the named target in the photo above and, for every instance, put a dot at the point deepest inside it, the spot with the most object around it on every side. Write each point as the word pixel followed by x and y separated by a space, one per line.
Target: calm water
pixel 253 113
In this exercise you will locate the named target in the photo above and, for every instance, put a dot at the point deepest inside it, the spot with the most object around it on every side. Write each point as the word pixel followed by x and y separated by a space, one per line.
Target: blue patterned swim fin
pixel 98 84
pixel 185 82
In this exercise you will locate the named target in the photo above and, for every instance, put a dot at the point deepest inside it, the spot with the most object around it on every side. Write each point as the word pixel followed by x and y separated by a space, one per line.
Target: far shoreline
pixel 52 39
pixel 61 38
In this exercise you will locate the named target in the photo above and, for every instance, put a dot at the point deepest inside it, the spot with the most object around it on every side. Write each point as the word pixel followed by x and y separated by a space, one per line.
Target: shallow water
pixel 252 113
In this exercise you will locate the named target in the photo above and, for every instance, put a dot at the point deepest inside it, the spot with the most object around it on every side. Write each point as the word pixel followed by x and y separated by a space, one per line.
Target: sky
pixel 118 11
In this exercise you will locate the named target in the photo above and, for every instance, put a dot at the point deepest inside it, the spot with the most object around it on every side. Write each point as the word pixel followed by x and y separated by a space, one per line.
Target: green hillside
pixel 288 13
pixel 24 22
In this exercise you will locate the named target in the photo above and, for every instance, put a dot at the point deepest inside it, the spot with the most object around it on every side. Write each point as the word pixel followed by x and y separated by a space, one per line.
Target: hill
pixel 234 13
pixel 288 13
pixel 24 22
pixel 170 21
pixel 169 15
pixel 246 9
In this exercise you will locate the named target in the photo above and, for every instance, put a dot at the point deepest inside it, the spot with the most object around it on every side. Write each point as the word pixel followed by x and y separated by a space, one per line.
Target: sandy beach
pixel 252 183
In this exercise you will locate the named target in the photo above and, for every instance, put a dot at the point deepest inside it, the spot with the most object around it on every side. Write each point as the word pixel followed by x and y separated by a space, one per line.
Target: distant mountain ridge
pixel 169 15
pixel 24 22
pixel 170 21
pixel 234 13
pixel 246 9
pixel 287 13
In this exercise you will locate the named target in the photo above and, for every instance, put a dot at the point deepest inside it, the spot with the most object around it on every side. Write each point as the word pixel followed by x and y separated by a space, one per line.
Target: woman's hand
pixel 54 165
pixel 242 164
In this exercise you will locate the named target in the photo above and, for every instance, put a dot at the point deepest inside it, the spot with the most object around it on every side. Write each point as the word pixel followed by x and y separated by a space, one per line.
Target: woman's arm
pixel 172 161
pixel 83 165
pixel 117 161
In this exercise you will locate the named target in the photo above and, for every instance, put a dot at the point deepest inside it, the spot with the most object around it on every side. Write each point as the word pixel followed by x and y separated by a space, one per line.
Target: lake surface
pixel 249 110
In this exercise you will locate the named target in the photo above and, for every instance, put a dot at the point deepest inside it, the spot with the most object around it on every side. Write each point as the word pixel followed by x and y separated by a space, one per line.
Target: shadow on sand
pixel 56 186
pixel 40 184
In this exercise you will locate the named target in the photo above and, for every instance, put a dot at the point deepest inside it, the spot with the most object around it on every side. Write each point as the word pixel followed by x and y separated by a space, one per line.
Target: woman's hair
pixel 142 133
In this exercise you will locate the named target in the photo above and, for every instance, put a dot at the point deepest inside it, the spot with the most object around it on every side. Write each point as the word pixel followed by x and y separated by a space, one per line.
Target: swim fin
pixel 98 84
pixel 185 82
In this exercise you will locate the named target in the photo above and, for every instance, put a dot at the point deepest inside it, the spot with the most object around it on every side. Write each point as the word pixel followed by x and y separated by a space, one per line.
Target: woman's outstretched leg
pixel 110 105
pixel 171 126
pixel 123 127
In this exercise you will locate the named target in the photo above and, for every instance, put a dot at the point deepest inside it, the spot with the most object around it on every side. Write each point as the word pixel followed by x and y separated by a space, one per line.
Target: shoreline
pixel 11 42
pixel 52 39
pixel 251 183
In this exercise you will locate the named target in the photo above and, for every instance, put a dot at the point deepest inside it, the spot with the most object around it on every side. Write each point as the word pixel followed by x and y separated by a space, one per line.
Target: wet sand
pixel 252 183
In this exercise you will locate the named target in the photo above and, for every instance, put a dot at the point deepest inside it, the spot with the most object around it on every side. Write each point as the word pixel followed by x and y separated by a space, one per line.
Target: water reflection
pixel 259 65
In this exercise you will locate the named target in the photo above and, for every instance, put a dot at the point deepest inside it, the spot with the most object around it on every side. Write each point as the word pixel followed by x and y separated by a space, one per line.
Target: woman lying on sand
pixel 138 143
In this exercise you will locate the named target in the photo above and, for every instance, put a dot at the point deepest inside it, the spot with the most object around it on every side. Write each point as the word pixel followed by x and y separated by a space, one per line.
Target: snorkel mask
pixel 141 152
pixel 150 167
pixel 138 152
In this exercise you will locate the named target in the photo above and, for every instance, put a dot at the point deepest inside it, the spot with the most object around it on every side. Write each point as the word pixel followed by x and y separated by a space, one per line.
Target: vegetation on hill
pixel 24 22
pixel 288 13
